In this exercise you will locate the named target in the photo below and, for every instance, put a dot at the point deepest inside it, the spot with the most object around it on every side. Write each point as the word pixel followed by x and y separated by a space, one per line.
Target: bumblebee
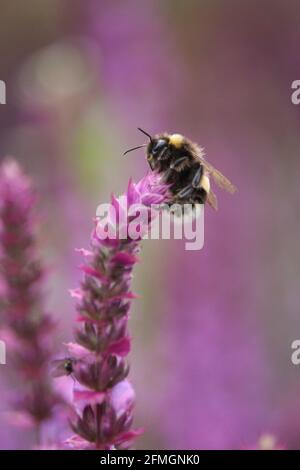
pixel 184 168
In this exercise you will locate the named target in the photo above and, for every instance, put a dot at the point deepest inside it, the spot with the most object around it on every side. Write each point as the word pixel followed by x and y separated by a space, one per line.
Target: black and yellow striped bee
pixel 184 167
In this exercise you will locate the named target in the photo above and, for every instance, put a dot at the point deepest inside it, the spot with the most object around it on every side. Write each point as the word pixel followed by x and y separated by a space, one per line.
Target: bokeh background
pixel 212 329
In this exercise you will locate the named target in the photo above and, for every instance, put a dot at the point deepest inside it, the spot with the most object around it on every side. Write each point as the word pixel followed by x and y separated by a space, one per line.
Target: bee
pixel 184 168
pixel 63 367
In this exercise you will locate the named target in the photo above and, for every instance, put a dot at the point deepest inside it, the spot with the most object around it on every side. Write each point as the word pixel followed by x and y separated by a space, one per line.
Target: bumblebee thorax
pixel 176 140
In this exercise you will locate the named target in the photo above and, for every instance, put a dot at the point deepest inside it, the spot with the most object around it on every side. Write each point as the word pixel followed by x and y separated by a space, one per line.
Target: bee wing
pixel 212 200
pixel 218 177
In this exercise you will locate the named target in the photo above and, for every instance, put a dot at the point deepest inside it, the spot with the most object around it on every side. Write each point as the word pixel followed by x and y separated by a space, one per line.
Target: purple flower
pixel 103 397
pixel 25 327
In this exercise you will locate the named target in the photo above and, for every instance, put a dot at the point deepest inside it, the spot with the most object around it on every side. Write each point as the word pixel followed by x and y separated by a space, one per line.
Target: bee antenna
pixel 134 148
pixel 146 133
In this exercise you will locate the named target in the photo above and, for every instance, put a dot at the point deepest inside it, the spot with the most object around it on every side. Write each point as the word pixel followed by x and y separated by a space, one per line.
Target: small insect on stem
pixel 63 367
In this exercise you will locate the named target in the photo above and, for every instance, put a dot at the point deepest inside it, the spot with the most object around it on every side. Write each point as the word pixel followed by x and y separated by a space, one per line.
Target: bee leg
pixel 167 176
pixel 151 163
pixel 178 164
pixel 187 191
pixel 197 177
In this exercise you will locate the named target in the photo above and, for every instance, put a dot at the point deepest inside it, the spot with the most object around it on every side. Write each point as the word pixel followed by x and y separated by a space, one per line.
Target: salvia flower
pixel 25 327
pixel 103 397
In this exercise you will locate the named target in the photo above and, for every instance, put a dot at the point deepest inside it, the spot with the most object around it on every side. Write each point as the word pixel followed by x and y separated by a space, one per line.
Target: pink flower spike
pixel 78 443
pixel 28 327
pixel 149 199
pixel 122 397
pixel 93 272
pixel 103 398
pixel 85 319
pixel 125 295
pixel 124 259
pixel 127 437
pixel 133 195
pixel 88 397
pixel 84 252
pixel 118 210
pixel 120 347
pixel 75 293
pixel 76 350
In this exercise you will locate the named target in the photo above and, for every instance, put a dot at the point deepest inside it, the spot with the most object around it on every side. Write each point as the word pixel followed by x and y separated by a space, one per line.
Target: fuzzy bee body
pixel 184 168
